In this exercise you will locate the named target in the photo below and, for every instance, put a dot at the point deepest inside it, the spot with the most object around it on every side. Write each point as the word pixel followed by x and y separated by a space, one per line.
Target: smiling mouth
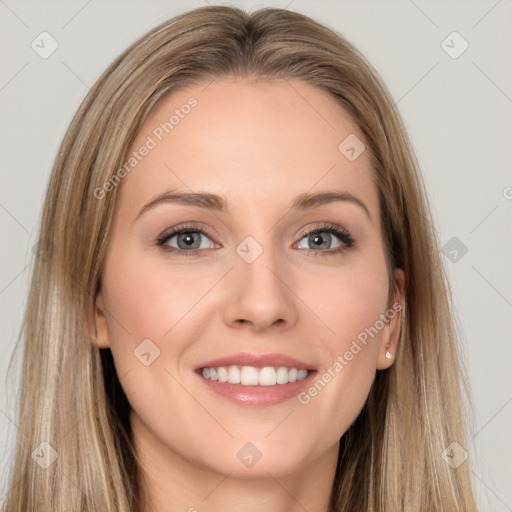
pixel 254 376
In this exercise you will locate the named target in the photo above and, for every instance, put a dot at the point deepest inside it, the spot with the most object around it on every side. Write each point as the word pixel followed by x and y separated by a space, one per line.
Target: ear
pixel 101 340
pixel 388 343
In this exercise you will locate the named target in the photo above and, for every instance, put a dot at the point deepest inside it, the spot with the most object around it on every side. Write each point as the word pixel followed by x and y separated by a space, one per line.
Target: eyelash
pixel 342 234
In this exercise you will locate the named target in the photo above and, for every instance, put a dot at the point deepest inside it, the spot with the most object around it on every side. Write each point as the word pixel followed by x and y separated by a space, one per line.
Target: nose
pixel 260 294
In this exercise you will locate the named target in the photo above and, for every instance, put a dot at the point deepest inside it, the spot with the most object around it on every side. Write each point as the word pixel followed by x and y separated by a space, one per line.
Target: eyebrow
pixel 214 202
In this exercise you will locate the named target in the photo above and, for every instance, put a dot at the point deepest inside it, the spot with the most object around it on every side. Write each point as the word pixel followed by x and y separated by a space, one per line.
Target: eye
pixel 326 239
pixel 323 237
pixel 185 240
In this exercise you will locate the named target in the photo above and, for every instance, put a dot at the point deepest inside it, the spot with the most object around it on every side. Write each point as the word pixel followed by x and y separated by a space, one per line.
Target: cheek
pixel 147 298
pixel 350 304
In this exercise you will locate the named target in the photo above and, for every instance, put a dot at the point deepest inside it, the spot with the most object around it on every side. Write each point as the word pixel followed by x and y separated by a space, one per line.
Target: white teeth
pixel 222 374
pixel 253 376
pixel 282 375
pixel 268 376
pixel 249 376
pixel 233 375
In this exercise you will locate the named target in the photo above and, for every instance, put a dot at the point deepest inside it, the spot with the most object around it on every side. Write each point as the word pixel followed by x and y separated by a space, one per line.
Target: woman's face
pixel 255 283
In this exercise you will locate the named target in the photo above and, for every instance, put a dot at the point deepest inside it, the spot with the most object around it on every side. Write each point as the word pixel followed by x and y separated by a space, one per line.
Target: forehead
pixel 261 141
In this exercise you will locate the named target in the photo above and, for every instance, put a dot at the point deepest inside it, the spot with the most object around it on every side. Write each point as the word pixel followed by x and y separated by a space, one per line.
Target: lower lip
pixel 258 395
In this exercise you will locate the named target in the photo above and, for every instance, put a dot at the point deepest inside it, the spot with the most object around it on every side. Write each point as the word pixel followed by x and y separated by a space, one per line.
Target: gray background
pixel 457 110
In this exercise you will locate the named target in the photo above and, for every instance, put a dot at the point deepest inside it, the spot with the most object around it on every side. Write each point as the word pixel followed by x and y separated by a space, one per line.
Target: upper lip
pixel 257 360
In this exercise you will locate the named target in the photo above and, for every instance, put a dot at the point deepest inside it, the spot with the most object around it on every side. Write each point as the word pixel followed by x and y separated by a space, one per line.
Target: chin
pixel 257 459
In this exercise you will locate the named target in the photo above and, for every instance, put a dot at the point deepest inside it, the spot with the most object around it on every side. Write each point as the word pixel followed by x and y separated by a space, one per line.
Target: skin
pixel 259 144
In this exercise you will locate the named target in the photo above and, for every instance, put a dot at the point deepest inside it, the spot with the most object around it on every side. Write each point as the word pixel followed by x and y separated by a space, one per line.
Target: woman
pixel 242 304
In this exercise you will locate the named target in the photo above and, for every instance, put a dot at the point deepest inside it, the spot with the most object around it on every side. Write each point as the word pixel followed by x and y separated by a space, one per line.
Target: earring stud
pixel 388 353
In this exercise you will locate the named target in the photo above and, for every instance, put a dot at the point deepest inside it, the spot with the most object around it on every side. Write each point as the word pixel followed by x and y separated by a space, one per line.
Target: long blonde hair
pixel 390 459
